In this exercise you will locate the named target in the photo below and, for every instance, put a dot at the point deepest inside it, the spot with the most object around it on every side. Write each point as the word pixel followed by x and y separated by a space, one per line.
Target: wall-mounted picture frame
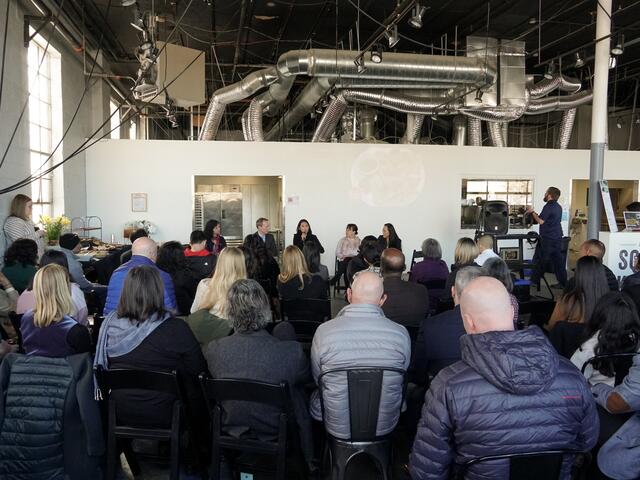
pixel 510 254
pixel 138 202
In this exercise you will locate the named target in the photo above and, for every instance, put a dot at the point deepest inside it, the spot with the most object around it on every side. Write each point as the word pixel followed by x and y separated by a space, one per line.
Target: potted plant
pixel 53 227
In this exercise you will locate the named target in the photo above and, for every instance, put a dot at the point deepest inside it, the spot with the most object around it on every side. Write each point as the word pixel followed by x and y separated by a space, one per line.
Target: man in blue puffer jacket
pixel 510 393
pixel 144 252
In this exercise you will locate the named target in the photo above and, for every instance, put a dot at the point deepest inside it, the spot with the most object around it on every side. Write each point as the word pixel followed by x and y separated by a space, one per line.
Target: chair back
pixel 416 254
pixel 122 379
pixel 435 284
pixel 566 337
pixel 364 392
pixel 217 390
pixel 621 363
pixel 317 310
pixel 16 321
pixel 305 330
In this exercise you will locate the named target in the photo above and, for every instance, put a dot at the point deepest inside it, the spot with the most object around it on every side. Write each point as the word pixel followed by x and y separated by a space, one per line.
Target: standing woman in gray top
pixel 19 224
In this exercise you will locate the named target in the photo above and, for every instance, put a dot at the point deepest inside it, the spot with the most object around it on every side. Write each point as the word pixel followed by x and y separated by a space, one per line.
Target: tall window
pixel 115 119
pixel 516 192
pixel 45 122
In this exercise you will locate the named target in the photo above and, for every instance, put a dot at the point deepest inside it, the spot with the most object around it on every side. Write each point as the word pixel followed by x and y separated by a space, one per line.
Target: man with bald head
pixel 360 336
pixel 144 251
pixel 510 393
pixel 407 302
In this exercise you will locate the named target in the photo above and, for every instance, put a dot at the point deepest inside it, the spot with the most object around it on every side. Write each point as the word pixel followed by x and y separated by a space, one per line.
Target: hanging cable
pixel 4 50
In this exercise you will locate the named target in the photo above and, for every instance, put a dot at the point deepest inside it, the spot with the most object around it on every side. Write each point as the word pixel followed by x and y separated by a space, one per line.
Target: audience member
pixel 19 224
pixel 368 258
pixel 438 342
pixel 463 256
pixel 485 249
pixel 20 262
pixel 346 250
pixel 595 248
pixel 311 254
pixel 359 336
pixel 261 265
pixel 431 268
pixel 48 330
pixel 142 334
pixel 295 281
pixel 171 260
pixel 303 235
pixel 208 319
pixel 215 241
pixel 136 234
pixel 614 327
pixel 262 234
pixel 8 296
pixel 497 268
pixel 27 300
pixel 407 303
pixel 389 238
pixel 144 252
pixel 252 354
pixel 201 261
pixel 497 400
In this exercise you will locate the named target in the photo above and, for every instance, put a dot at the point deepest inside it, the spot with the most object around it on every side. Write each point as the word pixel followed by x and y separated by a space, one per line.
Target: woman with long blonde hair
pixel 48 330
pixel 463 256
pixel 295 280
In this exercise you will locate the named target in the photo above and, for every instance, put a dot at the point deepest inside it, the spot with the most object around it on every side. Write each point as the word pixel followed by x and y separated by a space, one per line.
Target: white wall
pixel 415 187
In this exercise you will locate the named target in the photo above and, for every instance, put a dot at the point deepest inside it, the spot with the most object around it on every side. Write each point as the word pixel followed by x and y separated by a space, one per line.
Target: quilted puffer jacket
pixel 50 426
pixel 510 393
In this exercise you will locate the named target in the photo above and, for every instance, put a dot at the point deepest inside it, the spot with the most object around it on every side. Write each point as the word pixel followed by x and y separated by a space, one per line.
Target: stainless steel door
pixel 231 215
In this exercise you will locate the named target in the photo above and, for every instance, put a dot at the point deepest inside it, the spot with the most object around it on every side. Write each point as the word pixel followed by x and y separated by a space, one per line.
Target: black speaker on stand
pixel 494 218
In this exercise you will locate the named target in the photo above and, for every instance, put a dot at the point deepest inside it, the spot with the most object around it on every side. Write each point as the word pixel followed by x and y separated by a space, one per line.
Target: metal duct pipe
pixel 394 66
pixel 232 93
pixel 566 128
pixel 560 81
pixel 565 102
pixel 416 84
pixel 367 120
pixel 414 127
pixel 501 113
pixel 459 130
pixel 254 121
pixel 274 98
pixel 495 134
pixel 330 118
pixel 246 132
pixel 505 133
pixel 475 131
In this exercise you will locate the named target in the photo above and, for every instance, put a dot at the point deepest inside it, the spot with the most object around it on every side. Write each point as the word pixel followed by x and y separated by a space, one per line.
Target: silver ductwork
pixel 506 113
pixel 253 122
pixel 275 96
pixel 559 81
pixel 367 121
pixel 246 133
pixel 414 127
pixel 329 120
pixel 566 128
pixel 475 131
pixel 495 134
pixel 564 102
pixel 459 130
pixel 505 133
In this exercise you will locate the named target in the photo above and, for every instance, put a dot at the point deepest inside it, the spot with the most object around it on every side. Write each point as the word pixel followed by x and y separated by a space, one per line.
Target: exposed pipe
pixel 564 102
pixel 559 81
pixel 367 120
pixel 414 127
pixel 633 114
pixel 504 126
pixel 566 128
pixel 459 130
pixel 475 131
pixel 275 96
pixel 246 132
pixel 330 118
pixel 254 121
pixel 495 134
pixel 501 113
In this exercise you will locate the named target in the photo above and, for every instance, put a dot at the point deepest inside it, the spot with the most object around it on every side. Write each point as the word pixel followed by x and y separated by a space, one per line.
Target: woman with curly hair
pixel 20 262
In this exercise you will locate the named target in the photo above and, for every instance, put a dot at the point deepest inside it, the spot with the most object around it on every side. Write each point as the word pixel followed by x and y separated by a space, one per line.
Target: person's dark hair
pixel 256 255
pixel 393 236
pixel 208 228
pixel 142 294
pixel 498 269
pixel 69 240
pixel 370 250
pixel 353 227
pixel 54 256
pixel 590 286
pixel 197 236
pixel 23 251
pixel 616 317
pixel 298 227
pixel 633 207
pixel 248 307
pixel 554 192
pixel 311 252
pixel 136 234
pixel 171 258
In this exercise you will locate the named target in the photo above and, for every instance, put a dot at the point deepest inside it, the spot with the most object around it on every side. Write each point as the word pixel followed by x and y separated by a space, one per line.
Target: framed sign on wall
pixel 138 202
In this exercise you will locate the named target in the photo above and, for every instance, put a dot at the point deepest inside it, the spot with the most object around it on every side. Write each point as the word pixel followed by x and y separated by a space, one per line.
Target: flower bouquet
pixel 53 226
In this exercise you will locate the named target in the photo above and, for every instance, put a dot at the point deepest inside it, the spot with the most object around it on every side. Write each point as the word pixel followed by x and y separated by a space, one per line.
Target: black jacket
pixel 407 302
pixel 383 244
pixel 269 244
pixel 209 244
pixel 298 242
pixel 314 287
pixel 202 267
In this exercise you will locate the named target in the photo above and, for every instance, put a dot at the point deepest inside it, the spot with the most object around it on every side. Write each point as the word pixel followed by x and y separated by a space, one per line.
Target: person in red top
pixel 201 260
pixel 215 240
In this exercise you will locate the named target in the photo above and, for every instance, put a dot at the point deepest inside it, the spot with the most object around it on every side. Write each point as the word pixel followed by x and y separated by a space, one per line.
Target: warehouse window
pixel 114 111
pixel 516 192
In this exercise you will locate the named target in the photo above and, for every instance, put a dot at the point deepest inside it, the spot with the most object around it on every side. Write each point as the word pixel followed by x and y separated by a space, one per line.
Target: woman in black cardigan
pixel 303 234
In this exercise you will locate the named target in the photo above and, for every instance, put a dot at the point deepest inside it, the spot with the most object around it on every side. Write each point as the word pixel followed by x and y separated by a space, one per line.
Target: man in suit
pixel 262 224
pixel 407 302
pixel 438 345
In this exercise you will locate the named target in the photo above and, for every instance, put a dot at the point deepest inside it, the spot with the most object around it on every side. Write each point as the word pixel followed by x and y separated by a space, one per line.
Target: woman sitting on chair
pixel 295 281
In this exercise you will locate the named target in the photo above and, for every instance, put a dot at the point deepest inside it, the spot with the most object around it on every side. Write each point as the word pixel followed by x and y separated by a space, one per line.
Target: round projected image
pixel 382 177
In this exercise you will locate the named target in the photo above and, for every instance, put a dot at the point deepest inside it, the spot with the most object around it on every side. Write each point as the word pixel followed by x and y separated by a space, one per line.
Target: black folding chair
pixel 305 330
pixel 621 363
pixel 221 390
pixel 341 281
pixel 16 321
pixel 416 254
pixel 316 310
pixel 161 382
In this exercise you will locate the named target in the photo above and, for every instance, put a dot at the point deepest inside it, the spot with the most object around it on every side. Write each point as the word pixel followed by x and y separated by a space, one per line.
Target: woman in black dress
pixel 389 237
pixel 303 234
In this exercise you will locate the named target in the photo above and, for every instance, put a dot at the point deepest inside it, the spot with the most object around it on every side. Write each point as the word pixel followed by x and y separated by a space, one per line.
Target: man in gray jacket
pixel 360 336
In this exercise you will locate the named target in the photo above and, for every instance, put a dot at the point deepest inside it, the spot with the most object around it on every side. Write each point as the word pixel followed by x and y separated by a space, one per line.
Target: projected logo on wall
pixel 384 178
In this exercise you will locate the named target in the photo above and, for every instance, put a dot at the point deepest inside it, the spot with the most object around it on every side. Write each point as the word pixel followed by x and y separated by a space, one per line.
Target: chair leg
pixel 130 456
pixel 175 442
pixel 112 449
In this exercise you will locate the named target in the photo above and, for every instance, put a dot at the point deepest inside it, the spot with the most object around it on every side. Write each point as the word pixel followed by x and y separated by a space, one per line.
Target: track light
pixel 376 54
pixel 128 3
pixel 618 122
pixel 359 62
pixel 613 61
pixel 416 16
pixel 619 48
pixel 551 70
pixel 479 94
pixel 392 36
pixel 579 60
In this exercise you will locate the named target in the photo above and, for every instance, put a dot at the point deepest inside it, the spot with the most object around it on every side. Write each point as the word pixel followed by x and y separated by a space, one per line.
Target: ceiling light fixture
pixel 416 16
pixel 533 21
pixel 392 36
pixel 376 54
pixel 579 60
pixel 613 61
pixel 619 48
pixel 551 70
pixel 618 122
pixel 479 94
pixel 271 4
pixel 359 62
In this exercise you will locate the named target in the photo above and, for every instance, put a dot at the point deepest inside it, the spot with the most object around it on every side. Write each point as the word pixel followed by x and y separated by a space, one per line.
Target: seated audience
pixel 20 262
pixel 485 250
pixel 463 256
pixel 438 342
pixel 389 238
pixel 311 254
pixel 200 260
pixel 261 264
pixel 69 244
pixel 619 457
pixel 208 319
pixel 8 296
pixel 171 260
pixel 368 258
pixel 295 281
pixel 303 235
pixel 431 268
pixel 48 330
pixel 497 268
pixel 359 336
pixel 18 225
pixel 252 354
pixel 144 252
pixel 346 250
pixel 142 334
pixel 215 241
pixel 136 234
pixel 407 303
pixel 614 327
pixel 27 300
pixel 595 248
pixel 497 400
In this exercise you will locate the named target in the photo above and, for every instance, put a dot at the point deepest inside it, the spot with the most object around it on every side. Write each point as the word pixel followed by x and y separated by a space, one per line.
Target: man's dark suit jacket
pixel 437 345
pixel 407 302
pixel 262 357
pixel 269 244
